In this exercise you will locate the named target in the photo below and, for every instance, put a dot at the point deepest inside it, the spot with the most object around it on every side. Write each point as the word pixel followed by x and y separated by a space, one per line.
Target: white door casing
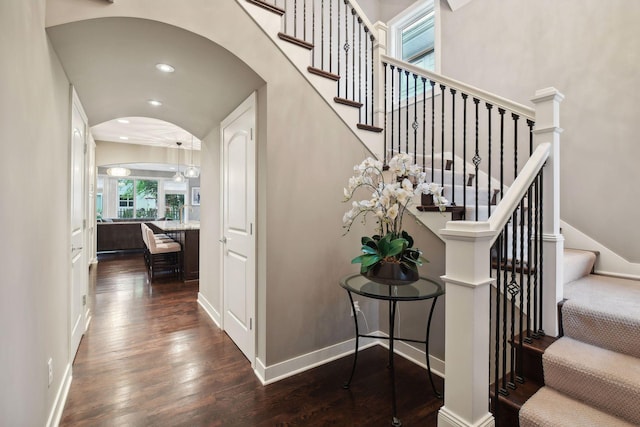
pixel 238 217
pixel 79 270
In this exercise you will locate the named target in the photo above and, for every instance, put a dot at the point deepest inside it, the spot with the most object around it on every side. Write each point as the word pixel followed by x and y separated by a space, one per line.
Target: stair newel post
pixel 547 129
pixel 467 329
pixel 379 99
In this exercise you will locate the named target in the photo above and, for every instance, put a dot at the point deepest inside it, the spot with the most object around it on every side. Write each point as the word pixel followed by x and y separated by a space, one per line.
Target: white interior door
pixel 79 270
pixel 239 252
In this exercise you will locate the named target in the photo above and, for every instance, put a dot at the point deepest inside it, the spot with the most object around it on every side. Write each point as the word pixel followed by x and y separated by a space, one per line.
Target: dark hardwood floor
pixel 152 357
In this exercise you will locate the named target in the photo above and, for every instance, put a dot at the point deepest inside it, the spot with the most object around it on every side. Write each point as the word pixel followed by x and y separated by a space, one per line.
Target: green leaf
pixel 369 250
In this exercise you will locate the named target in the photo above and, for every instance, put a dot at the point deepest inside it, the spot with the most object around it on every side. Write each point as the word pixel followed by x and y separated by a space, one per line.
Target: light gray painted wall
pixel 591 53
pixel 383 10
pixel 34 124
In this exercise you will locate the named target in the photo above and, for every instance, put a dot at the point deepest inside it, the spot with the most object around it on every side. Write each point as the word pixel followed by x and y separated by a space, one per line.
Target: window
pixel 137 198
pixel 125 198
pixel 413 40
pixel 174 198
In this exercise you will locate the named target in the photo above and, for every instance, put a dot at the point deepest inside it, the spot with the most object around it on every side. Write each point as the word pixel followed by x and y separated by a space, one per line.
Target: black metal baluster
pixel 433 128
pixel 501 111
pixel 424 124
pixel 393 84
pixel 476 157
pixel 515 118
pixel 304 19
pixel 442 88
pixel 373 86
pixel 360 70
pixel 541 329
pixel 415 124
pixel 453 148
pixel 503 268
pixel 386 129
pixel 399 109
pixel 338 46
pixel 464 153
pixel 331 41
pixel 489 109
pixel 366 75
pixel 513 292
pixel 286 16
pixel 536 255
pixel 530 124
pixel 530 262
pixel 353 53
pixel 406 111
pixel 346 50
pixel 496 382
pixel 295 18
pixel 519 373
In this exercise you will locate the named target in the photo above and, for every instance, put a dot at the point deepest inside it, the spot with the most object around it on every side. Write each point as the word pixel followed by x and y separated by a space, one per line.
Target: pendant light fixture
pixel 118 171
pixel 178 177
pixel 191 171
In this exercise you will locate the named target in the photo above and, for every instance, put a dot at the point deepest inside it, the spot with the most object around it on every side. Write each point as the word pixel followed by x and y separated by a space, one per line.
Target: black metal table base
pixel 395 421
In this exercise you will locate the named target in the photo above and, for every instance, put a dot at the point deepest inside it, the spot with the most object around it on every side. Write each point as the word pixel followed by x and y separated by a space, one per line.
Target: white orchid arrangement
pixel 387 204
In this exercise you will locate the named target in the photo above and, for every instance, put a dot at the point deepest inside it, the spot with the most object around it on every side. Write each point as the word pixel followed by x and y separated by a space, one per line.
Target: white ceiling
pixel 111 63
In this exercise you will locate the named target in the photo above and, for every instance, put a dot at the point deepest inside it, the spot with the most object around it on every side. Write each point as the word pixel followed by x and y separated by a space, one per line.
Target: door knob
pixel 223 240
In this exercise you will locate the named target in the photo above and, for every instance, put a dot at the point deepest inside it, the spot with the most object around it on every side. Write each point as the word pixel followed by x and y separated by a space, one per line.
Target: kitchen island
pixel 188 235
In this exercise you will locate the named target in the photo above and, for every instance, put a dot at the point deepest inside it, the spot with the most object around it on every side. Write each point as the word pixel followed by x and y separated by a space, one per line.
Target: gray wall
pixel 34 171
pixel 590 51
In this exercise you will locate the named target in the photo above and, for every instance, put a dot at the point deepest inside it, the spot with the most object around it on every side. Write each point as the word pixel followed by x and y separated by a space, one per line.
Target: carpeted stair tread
pixel 607 380
pixel 604 311
pixel 550 408
pixel 577 264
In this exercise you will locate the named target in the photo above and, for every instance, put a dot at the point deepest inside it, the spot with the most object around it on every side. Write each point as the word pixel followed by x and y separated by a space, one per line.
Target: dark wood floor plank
pixel 152 357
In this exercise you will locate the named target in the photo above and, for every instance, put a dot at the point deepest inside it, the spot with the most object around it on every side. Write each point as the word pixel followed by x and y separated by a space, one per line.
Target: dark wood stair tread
pixel 267 6
pixel 323 73
pixel 296 41
pixel 537 345
pixel 517 397
pixel 347 102
pixel 370 128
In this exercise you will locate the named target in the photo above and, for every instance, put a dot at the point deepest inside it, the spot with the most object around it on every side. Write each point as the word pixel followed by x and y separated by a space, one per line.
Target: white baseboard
pixel 273 373
pixel 211 311
pixel 61 398
pixel 279 371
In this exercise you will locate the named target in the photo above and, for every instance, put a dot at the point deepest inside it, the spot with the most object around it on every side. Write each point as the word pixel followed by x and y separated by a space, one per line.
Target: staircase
pixel 571 381
pixel 592 373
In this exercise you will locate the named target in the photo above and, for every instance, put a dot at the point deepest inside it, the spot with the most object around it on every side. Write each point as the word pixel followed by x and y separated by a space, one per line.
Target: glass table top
pixel 423 288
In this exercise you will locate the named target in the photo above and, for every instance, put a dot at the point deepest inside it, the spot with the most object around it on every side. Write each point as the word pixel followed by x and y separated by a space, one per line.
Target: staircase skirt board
pixel 604 379
pixel 551 408
pixel 604 311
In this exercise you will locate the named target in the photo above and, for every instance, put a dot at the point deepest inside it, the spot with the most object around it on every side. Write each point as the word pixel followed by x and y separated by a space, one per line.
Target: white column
pixel 547 129
pixel 468 282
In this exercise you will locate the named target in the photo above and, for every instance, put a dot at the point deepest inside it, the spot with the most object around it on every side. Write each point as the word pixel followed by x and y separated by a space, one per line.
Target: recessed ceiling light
pixel 154 102
pixel 124 137
pixel 165 68
pixel 123 121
